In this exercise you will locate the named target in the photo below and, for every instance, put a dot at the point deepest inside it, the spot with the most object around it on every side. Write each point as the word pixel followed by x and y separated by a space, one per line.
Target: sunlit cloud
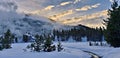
pixel 38 12
pixel 87 7
pixel 65 3
pixel 76 21
pixel 95 6
pixel 94 25
pixel 60 15
pixel 49 7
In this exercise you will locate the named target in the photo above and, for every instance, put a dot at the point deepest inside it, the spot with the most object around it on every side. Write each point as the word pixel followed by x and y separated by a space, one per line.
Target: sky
pixel 69 12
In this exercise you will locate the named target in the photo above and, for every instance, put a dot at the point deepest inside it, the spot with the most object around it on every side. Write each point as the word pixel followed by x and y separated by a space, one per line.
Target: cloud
pixel 49 7
pixel 85 18
pixel 111 0
pixel 60 15
pixel 38 12
pixel 76 1
pixel 95 6
pixel 65 3
pixel 87 7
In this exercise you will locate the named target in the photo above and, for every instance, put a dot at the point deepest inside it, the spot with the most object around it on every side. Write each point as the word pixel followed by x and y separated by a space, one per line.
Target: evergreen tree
pixel 1 47
pixel 42 43
pixel 112 32
pixel 47 44
pixel 25 38
pixel 38 44
pixel 7 40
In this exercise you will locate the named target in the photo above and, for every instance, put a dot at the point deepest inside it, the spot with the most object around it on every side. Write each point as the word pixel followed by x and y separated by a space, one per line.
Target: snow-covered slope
pixel 103 51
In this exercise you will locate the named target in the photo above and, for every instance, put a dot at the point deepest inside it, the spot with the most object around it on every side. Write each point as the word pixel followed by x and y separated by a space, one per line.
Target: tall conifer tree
pixel 112 32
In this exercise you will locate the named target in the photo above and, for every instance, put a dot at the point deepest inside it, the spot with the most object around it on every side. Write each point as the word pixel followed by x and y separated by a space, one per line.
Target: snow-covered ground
pixel 105 52
pixel 17 51
pixel 71 50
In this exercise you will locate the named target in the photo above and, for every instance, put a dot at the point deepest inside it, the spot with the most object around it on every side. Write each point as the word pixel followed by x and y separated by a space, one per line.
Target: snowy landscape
pixel 71 50
pixel 59 29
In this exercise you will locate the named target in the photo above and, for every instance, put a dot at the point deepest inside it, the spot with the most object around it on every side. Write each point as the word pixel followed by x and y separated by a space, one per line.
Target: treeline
pixel 38 42
pixel 78 32
pixel 44 42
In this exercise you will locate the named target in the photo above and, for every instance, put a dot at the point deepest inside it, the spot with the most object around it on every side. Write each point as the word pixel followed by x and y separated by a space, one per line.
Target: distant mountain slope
pixel 22 23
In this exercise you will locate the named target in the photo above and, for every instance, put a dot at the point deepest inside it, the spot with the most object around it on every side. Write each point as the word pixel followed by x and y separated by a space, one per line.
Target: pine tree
pixel 112 32
pixel 1 47
pixel 42 43
pixel 38 43
pixel 7 40
pixel 25 38
pixel 47 44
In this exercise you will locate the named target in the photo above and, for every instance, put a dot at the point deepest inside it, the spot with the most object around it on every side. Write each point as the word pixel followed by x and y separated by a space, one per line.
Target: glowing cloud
pixel 43 10
pixel 95 6
pixel 60 15
pixel 49 7
pixel 85 8
pixel 65 3
pixel 86 17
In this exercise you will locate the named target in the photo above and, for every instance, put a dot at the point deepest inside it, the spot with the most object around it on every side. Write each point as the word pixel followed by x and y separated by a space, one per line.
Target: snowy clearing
pixel 71 50
pixel 17 52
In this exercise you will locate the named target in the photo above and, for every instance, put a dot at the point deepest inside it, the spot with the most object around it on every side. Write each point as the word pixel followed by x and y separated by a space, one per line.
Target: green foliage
pixel 42 43
pixel 6 40
pixel 112 32
pixel 47 44
pixel 38 44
